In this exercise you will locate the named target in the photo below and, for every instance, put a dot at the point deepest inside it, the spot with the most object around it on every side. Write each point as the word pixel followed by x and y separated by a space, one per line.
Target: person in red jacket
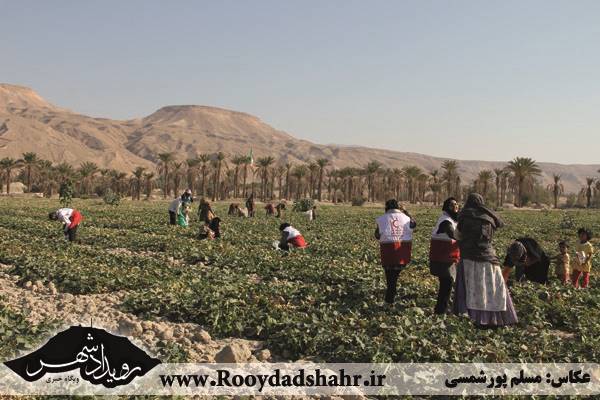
pixel 70 218
pixel 290 238
pixel 394 232
pixel 444 253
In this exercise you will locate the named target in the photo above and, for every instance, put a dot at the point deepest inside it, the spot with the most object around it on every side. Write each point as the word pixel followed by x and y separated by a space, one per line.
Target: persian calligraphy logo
pixel 101 357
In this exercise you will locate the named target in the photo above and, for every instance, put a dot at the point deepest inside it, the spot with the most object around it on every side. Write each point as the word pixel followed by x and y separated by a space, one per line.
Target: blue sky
pixel 463 79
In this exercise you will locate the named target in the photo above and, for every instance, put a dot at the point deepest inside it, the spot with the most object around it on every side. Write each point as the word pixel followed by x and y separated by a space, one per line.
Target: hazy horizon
pixel 466 80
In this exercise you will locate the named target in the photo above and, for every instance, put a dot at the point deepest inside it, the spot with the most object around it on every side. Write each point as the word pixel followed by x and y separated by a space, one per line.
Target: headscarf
pixel 475 208
pixel 392 204
pixel 516 251
pixel 448 210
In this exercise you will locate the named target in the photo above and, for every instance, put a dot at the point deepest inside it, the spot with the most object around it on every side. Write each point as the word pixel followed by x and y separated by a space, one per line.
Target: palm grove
pixel 220 177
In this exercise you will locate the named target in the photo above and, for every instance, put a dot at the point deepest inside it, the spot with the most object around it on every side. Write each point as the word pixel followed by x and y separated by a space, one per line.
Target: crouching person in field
pixel 444 253
pixel 394 232
pixel 290 238
pixel 70 219
pixel 211 230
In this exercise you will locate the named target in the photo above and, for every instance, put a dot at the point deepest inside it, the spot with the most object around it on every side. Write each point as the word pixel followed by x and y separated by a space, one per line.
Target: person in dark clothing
pixel 480 291
pixel 529 260
pixel 280 208
pixel 444 253
pixel 250 205
pixel 394 233
pixel 186 197
pixel 269 209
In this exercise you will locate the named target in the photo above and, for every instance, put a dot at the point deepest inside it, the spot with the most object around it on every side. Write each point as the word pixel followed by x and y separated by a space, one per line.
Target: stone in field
pixel 263 355
pixel 130 328
pixel 164 333
pixel 236 352
pixel 202 336
pixel 52 289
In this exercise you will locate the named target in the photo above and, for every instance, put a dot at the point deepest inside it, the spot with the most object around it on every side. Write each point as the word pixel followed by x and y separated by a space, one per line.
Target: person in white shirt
pixel 312 213
pixel 174 210
pixel 394 232
pixel 70 219
pixel 290 238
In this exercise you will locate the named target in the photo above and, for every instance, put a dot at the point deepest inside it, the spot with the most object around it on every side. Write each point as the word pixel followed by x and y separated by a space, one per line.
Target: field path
pixel 38 303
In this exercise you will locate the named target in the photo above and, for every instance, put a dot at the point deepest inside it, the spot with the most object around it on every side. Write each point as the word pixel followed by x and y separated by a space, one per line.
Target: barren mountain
pixel 30 123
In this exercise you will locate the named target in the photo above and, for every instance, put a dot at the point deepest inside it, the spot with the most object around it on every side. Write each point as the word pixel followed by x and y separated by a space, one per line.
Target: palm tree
pixel 237 161
pixel 148 183
pixel 218 164
pixel 322 163
pixel 457 188
pixel 87 170
pixel 435 185
pixel 164 166
pixel 556 188
pixel 177 177
pixel 280 172
pixel 484 177
pixel 504 184
pixel 64 172
pixel 524 170
pixel 299 172
pixel 31 163
pixel 138 176
pixel 498 176
pixel 118 181
pixel 7 165
pixel 47 177
pixel 288 168
pixel 450 168
pixel 313 168
pixel 247 161
pixel 371 169
pixel 412 174
pixel 191 172
pixel 204 160
pixel 263 165
pixel 588 191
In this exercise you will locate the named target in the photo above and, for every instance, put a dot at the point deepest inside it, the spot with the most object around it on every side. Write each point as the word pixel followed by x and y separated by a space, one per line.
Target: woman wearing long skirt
pixel 481 291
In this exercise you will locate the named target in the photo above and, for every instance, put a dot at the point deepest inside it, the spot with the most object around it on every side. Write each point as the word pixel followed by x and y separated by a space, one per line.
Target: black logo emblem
pixel 101 357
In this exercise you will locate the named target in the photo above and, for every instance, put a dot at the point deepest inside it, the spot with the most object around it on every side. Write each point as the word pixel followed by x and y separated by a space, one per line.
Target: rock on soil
pixel 40 302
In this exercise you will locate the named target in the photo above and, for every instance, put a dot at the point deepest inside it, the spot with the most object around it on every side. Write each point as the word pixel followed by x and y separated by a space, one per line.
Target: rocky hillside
pixel 30 123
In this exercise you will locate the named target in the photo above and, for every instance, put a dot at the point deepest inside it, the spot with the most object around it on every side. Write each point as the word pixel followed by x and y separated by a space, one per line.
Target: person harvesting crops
pixel 205 212
pixel 174 210
pixel 70 219
pixel 531 262
pixel 269 209
pixel 250 205
pixel 290 238
pixel 583 260
pixel 312 213
pixel 481 292
pixel 444 253
pixel 186 197
pixel 394 232
pixel 183 215
pixel 280 208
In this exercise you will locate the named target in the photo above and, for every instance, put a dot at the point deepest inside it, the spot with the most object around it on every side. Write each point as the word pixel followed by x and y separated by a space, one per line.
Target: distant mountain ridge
pixel 29 123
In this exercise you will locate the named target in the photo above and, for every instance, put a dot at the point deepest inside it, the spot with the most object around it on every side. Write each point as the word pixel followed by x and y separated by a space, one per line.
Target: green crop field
pixel 324 303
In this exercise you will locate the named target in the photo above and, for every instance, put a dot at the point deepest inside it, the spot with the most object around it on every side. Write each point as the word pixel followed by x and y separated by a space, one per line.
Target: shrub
pixel 303 205
pixel 65 193
pixel 359 201
pixel 111 198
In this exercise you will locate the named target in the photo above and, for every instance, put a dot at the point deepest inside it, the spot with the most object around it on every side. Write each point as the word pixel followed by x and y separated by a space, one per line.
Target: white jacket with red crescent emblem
pixel 395 238
pixel 442 247
pixel 394 227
